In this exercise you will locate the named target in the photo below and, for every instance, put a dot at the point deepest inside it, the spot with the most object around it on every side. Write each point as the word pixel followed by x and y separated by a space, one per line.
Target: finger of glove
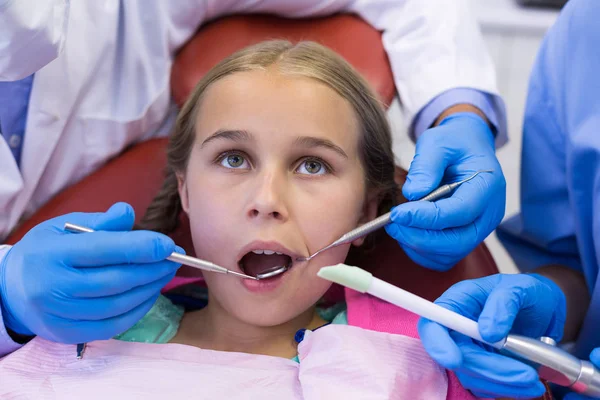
pixel 439 345
pixel 452 242
pixel 502 375
pixel 96 249
pixel 485 390
pixel 557 307
pixel 466 298
pixel 595 357
pixel 430 261
pixel 499 313
pixel 119 217
pixel 462 208
pixel 519 301
pixel 72 332
pixel 427 167
pixel 115 279
pixel 99 308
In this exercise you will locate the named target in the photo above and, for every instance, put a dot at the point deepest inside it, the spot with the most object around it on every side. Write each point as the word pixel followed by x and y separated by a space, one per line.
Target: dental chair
pixel 136 175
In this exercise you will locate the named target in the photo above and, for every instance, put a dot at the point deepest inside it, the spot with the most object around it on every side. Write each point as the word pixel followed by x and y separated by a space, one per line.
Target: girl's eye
pixel 312 167
pixel 234 161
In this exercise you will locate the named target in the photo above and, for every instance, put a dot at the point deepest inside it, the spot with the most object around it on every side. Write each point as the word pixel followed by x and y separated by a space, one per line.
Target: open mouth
pixel 264 263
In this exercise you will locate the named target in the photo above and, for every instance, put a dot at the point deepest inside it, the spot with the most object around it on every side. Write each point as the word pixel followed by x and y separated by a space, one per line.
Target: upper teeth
pixel 267 252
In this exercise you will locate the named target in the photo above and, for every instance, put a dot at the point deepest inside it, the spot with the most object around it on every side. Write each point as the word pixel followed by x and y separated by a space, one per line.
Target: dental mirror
pixel 269 274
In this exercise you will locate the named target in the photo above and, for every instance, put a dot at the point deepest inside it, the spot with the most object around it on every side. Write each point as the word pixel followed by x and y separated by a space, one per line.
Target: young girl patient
pixel 280 149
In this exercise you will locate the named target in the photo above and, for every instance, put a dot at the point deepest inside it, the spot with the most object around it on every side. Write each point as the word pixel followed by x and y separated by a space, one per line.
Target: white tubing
pixel 427 309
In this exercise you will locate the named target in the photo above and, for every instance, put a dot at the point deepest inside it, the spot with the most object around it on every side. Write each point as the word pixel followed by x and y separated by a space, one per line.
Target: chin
pixel 267 318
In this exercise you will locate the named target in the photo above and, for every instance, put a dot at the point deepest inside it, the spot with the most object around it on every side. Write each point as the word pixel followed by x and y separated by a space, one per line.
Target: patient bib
pixel 336 362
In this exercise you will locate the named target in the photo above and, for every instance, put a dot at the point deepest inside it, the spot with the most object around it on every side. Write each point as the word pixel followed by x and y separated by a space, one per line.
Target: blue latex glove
pixel 80 287
pixel 437 235
pixel 595 359
pixel 525 304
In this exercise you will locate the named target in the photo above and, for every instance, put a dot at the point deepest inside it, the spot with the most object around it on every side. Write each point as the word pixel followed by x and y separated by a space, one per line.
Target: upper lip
pixel 267 245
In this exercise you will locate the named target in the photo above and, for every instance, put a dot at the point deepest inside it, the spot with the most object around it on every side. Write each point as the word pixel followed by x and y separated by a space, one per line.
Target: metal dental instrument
pixel 176 257
pixel 271 273
pixel 385 219
pixel 554 364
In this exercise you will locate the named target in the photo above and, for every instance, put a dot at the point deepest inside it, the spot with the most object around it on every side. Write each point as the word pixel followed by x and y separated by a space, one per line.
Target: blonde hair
pixel 306 59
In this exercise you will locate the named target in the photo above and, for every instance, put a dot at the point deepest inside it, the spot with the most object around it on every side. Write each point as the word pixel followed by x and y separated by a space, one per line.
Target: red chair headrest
pixel 355 40
pixel 358 42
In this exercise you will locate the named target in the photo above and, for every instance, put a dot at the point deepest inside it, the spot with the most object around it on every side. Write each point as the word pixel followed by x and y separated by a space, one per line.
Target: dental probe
pixel 385 219
pixel 551 363
pixel 177 257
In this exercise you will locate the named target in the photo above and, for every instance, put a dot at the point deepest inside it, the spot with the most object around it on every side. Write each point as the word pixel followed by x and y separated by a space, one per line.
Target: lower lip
pixel 264 285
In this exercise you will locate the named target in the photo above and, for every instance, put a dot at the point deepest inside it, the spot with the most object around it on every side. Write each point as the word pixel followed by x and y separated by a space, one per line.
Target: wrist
pixel 17 337
pixel 11 323
pixel 461 109
pixel 476 122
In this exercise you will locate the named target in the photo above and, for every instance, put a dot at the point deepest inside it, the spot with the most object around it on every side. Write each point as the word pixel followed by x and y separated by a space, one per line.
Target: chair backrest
pixel 145 162
pixel 358 42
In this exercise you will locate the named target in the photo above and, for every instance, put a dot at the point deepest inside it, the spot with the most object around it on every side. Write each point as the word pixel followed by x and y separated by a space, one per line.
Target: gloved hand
pixel 595 359
pixel 438 234
pixel 525 304
pixel 79 287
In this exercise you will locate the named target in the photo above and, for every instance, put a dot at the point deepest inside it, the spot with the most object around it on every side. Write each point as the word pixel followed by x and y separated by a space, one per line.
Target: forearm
pixel 573 285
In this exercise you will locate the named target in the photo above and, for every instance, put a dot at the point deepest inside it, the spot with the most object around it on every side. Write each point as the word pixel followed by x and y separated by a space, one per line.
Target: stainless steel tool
pixel 177 257
pixel 554 364
pixel 385 219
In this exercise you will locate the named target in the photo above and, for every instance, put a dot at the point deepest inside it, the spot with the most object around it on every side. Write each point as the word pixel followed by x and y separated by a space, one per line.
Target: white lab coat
pixel 102 73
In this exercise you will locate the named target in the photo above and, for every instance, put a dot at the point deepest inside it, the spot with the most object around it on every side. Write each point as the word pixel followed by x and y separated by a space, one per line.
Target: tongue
pixel 254 264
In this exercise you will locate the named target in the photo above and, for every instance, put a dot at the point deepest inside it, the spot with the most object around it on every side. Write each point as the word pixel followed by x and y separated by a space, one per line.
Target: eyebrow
pixel 312 142
pixel 235 135
pixel 238 135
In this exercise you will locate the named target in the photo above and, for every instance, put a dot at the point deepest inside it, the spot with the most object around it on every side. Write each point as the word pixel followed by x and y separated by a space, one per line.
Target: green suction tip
pixel 345 275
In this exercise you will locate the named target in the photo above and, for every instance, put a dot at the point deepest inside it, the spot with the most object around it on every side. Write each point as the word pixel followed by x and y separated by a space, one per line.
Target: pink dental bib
pixel 336 361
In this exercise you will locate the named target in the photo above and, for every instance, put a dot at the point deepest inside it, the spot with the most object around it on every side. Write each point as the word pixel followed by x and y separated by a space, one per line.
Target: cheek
pixel 209 220
pixel 335 211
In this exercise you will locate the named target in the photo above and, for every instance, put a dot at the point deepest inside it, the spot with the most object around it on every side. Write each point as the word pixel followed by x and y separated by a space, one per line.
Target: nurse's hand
pixel 525 304
pixel 437 235
pixel 595 359
pixel 80 287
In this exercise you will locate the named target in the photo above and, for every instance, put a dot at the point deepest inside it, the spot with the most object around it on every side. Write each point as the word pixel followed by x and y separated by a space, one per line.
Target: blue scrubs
pixel 14 102
pixel 559 221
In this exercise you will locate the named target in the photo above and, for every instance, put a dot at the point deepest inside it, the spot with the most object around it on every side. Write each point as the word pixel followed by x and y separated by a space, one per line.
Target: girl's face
pixel 274 169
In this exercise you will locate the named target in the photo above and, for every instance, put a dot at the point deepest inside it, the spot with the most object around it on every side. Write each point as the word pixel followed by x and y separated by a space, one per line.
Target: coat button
pixel 14 141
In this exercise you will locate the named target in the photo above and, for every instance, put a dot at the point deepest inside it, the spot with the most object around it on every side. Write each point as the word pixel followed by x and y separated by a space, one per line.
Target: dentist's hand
pixel 595 359
pixel 525 304
pixel 437 235
pixel 80 287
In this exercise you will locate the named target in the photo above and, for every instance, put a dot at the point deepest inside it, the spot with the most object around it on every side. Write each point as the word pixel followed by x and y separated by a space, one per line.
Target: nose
pixel 268 199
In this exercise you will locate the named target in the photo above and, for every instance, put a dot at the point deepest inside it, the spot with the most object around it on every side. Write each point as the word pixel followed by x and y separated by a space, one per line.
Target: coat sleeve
pixel 32 34
pixel 433 46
